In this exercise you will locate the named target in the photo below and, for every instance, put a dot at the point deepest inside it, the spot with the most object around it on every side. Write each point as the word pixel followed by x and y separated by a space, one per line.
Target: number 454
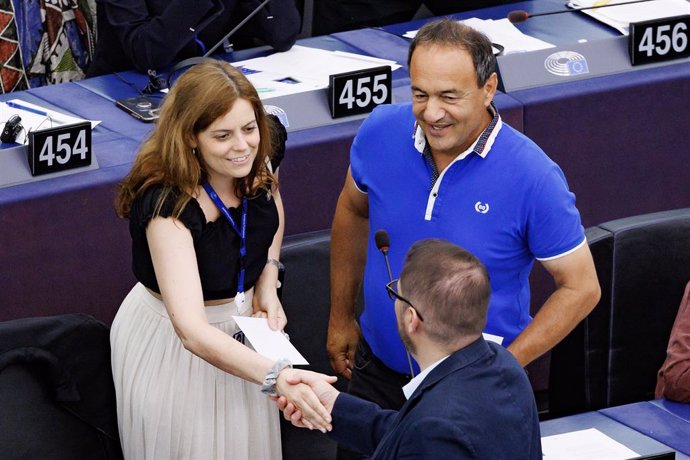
pixel 64 150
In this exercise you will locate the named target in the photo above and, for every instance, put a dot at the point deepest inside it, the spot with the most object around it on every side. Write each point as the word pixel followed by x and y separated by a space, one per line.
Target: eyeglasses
pixel 391 288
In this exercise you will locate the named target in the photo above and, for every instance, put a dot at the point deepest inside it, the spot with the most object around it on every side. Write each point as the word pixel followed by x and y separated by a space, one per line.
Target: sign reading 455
pixel 353 93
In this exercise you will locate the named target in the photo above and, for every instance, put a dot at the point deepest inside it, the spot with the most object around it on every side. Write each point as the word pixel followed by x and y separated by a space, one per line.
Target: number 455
pixel 366 92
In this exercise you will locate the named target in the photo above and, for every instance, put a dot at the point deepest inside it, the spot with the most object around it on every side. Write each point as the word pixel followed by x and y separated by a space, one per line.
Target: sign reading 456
pixel 61 148
pixel 353 93
pixel 659 40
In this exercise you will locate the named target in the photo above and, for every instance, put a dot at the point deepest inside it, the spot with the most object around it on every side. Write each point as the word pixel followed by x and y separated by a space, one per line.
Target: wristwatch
pixel 268 387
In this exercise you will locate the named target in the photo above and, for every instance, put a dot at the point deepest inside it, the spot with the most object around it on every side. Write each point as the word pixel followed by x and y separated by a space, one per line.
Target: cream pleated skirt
pixel 171 404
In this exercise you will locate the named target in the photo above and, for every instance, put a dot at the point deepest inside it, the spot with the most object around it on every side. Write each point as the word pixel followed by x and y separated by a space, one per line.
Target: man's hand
pixel 320 385
pixel 349 234
pixel 342 345
pixel 305 390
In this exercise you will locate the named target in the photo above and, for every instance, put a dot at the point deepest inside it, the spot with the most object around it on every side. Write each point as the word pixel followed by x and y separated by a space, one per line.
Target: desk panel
pixel 680 410
pixel 620 140
pixel 631 438
pixel 65 251
pixel 654 421
pixel 597 130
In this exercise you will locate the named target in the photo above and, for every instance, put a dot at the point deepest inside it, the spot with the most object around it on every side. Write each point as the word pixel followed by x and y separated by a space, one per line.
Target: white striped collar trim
pixel 420 140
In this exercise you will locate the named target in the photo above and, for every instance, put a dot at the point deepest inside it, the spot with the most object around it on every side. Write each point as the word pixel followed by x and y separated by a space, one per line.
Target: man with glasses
pixel 471 399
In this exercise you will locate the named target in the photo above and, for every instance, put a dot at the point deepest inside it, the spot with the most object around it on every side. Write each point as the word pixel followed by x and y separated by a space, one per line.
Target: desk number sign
pixel 659 40
pixel 353 93
pixel 60 148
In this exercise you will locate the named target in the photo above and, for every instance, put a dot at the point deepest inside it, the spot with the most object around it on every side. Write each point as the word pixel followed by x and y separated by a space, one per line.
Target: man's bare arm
pixel 349 235
pixel 577 293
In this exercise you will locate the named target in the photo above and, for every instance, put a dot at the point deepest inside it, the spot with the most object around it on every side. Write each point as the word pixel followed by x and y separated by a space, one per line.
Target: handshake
pixel 306 398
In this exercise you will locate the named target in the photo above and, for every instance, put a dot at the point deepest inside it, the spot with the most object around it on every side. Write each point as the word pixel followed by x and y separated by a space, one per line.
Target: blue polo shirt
pixel 503 200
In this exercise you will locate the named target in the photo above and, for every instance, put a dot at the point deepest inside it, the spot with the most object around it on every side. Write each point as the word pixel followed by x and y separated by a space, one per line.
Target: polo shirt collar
pixel 480 146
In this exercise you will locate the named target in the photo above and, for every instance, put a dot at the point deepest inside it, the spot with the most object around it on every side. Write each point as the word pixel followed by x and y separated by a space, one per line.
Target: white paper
pixel 504 33
pixel 33 121
pixel 303 69
pixel 266 342
pixel 584 445
pixel 620 17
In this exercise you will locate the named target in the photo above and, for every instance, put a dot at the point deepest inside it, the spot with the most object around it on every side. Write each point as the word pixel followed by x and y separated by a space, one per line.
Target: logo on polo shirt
pixel 481 208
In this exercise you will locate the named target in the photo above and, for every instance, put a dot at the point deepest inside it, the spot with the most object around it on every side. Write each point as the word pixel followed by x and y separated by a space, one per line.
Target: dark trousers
pixel 374 381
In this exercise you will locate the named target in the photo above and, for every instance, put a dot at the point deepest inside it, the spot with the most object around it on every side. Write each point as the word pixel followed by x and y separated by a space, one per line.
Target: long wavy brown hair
pixel 199 97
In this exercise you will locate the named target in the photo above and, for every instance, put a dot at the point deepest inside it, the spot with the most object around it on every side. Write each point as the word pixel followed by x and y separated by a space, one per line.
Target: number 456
pixel 665 39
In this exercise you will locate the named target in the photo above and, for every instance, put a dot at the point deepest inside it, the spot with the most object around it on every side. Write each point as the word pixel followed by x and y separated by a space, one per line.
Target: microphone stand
pixel 384 251
pixel 198 59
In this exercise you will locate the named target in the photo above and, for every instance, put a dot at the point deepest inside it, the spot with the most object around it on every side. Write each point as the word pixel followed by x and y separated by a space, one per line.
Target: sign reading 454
pixel 60 148
pixel 353 93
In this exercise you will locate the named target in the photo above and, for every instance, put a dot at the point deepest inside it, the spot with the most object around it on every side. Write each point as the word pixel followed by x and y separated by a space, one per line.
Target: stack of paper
pixel 620 17
pixel 584 445
pixel 302 69
pixel 34 117
pixel 504 33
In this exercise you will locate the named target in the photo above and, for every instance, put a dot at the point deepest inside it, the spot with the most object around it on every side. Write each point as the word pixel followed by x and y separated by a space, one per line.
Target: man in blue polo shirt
pixel 446 166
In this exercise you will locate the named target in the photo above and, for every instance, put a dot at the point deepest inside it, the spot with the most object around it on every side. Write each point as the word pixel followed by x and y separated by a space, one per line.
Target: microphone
pixel 383 244
pixel 519 16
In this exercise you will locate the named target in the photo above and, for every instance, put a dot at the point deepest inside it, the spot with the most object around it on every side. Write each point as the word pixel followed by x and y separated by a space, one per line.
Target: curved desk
pixel 64 250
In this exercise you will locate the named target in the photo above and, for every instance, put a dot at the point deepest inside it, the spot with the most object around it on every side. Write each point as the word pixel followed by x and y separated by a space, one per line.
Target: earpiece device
pixel 13 127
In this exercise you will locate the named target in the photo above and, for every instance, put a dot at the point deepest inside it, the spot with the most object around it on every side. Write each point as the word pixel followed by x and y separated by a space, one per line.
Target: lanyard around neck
pixel 241 230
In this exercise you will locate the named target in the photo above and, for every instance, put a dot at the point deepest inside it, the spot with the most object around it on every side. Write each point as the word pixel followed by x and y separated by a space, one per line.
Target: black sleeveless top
pixel 216 244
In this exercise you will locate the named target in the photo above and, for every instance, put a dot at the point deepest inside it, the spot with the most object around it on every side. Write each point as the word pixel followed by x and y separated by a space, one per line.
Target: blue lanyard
pixel 242 231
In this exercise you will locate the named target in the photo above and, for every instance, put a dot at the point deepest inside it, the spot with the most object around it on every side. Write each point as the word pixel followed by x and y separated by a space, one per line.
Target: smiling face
pixel 449 105
pixel 228 147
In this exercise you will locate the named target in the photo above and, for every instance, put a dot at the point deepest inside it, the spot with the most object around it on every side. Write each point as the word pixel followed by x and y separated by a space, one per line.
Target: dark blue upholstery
pixel 306 300
pixel 579 364
pixel 612 357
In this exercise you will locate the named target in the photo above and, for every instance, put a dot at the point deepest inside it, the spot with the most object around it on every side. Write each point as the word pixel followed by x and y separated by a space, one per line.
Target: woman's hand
pixel 265 303
pixel 306 398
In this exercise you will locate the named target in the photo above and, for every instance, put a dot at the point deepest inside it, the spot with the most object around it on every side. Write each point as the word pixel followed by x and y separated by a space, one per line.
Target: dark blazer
pixel 152 34
pixel 478 403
